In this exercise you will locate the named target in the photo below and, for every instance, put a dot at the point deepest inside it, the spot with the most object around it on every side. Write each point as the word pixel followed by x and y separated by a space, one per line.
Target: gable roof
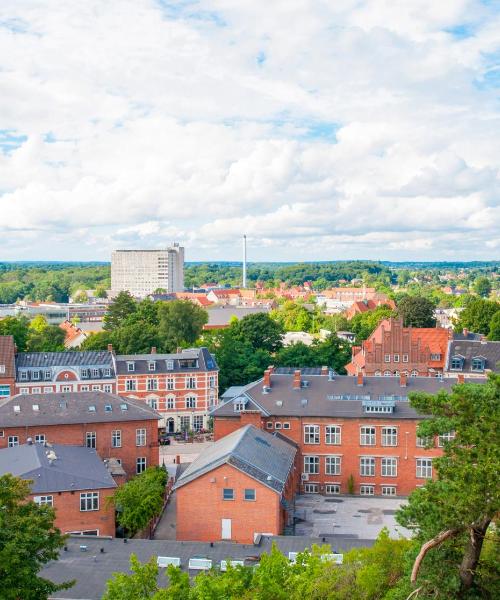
pixel 7 356
pixel 262 456
pixel 74 468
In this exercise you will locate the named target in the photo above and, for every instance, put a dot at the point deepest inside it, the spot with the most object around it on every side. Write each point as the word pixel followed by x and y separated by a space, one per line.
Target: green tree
pixel 333 352
pixel 100 292
pixel 365 323
pixel 261 331
pixel 296 355
pixel 122 307
pixel 97 341
pixel 293 316
pixel 140 499
pixel 81 297
pixel 477 315
pixel 180 323
pixel 451 514
pixel 482 287
pixel 416 311
pixel 43 337
pixel 18 328
pixel 28 540
pixel 494 334
pixel 136 338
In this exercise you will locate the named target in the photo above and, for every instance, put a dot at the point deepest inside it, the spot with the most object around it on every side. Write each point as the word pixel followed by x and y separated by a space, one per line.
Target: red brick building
pixel 358 429
pixel 7 366
pixel 243 486
pixel 117 428
pixel 361 306
pixel 393 349
pixel 182 386
pixel 73 480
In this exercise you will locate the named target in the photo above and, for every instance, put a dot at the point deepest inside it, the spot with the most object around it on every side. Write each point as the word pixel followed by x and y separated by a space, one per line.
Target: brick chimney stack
pixel 153 350
pixel 465 332
pixel 403 380
pixel 296 379
pixel 324 370
pixel 110 347
pixel 461 378
pixel 267 378
pixel 360 378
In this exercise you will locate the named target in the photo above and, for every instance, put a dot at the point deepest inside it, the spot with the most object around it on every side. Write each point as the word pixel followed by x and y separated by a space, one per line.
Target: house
pixel 472 357
pixel 349 294
pixel 354 434
pixel 183 386
pixel 224 296
pixel 243 487
pixel 75 336
pixel 71 479
pixel 220 317
pixel 7 366
pixel 393 349
pixel 117 428
pixel 361 306
pixel 48 372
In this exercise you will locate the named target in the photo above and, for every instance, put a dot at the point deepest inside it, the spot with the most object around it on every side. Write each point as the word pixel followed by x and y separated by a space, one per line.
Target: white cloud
pixel 321 129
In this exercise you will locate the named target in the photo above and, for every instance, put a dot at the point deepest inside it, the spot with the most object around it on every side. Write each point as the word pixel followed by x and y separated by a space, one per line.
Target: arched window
pixel 387 373
pixel 414 373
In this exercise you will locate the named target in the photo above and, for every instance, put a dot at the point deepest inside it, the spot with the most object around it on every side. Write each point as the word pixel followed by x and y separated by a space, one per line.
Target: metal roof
pixel 7 353
pixel 470 349
pixel 86 358
pixel 206 362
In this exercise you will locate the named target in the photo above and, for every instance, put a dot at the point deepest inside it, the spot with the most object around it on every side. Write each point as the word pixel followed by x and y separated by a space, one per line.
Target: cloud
pixel 322 130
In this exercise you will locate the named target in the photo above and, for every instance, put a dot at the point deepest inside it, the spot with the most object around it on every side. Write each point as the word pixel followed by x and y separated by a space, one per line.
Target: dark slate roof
pixel 206 362
pixel 93 568
pixel 220 316
pixel 64 359
pixel 74 468
pixel 470 349
pixel 337 397
pixel 262 456
pixel 72 407
pixel 7 354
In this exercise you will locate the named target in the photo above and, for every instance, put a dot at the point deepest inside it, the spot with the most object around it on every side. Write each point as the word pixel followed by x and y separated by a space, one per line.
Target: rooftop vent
pixel 92 408
pixel 279 402
pixel 17 408
pixel 331 375
pixel 303 402
pixel 35 407
pixel 124 406
pixel 266 389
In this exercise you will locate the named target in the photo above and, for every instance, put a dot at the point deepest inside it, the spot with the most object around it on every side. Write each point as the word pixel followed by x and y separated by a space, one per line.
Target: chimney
pixel 360 378
pixel 267 379
pixel 461 378
pixel 296 379
pixel 179 350
pixel 324 370
pixel 355 350
pixel 153 350
pixel 110 347
pixel 403 379
pixel 270 368
pixel 465 332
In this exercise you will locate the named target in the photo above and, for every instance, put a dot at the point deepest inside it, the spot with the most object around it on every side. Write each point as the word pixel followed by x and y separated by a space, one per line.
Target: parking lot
pixel 356 517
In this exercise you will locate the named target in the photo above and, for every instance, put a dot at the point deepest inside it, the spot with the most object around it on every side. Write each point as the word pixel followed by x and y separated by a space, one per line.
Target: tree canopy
pixel 416 311
pixel 477 315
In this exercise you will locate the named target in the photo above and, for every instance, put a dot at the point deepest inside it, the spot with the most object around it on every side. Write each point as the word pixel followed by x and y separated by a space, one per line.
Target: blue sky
pixel 322 130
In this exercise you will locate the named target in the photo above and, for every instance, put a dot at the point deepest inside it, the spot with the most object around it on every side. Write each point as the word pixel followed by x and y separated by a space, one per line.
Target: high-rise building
pixel 142 272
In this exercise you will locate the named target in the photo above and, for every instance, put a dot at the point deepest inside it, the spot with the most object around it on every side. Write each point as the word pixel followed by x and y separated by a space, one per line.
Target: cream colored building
pixel 142 272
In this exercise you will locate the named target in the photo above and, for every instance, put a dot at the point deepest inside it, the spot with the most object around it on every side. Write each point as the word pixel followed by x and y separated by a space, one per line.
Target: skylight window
pixel 92 408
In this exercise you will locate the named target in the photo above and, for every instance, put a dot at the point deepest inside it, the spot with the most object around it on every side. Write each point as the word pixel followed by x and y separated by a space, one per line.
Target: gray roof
pixel 64 359
pixel 93 568
pixel 337 397
pixel 206 362
pixel 470 349
pixel 219 316
pixel 72 407
pixel 74 468
pixel 262 456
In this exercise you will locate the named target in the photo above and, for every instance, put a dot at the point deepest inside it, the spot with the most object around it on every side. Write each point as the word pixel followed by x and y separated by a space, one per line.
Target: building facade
pixel 142 272
pixel 7 367
pixel 183 386
pixel 393 349
pixel 116 428
pixel 472 357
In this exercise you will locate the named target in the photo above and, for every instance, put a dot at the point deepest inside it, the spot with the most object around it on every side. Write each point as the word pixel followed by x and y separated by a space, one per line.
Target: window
pixel 140 465
pixel 140 437
pixel 35 375
pixel 153 403
pixel 90 439
pixel 170 383
pixel 2 369
pixel 4 391
pixel 95 373
pixel 40 438
pixel 170 365
pixel 48 390
pixel 436 356
pixel 228 494
pixel 96 388
pixel 106 372
pixel 170 402
pixel 477 364
pixel 367 436
pixel 311 465
pixel 277 426
pixel 389 467
pixel 152 384
pixel 286 425
pixel 444 438
pixel 367 490
pixel 405 358
pixel 191 402
pixel 396 358
pixel 191 383
pixel 333 465
pixel 44 500
pixel 107 388
pixel 389 436
pixel 131 385
pixel 239 406
pixel 414 373
pixel 332 434
pixel 456 363
pixel 211 381
pixel 332 488
pixel 311 434
pixel 47 375
pixel 197 422
pixel 84 388
pixel 36 390
pixel 89 501
pixel 151 365
pixel 388 490
pixel 249 494
pixel 387 373
pixel 311 488
pixel 387 358
pixel 66 388
pixel 84 373
pixel 130 367
pixel 367 466
pixel 23 375
pixel 424 468
pixel 269 425
pixel 12 440
pixel 116 438
pixel 423 442
pixel 185 422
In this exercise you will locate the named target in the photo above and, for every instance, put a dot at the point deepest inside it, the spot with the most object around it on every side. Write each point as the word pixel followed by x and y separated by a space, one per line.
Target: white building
pixel 142 272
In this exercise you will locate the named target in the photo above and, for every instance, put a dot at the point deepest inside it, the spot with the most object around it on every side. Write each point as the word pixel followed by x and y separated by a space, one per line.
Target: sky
pixel 323 130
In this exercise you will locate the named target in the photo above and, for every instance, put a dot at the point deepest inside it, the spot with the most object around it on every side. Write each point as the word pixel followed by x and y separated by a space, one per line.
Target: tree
pixel 452 513
pixel 416 311
pixel 494 334
pixel 297 355
pixel 43 337
pixel 477 315
pixel 18 328
pixel 333 352
pixel 293 316
pixel 180 323
pixel 97 341
pixel 365 323
pixel 28 541
pixel 140 499
pixel 482 287
pixel 100 292
pixel 119 310
pixel 135 338
pixel 261 331
pixel 81 298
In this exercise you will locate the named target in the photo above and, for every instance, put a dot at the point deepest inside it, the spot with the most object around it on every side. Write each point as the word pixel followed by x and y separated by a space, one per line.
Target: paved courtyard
pixel 187 451
pixel 362 518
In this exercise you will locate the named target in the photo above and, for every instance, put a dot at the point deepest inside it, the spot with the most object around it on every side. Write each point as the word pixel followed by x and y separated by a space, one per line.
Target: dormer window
pixel 130 367
pixel 95 373
pixel 47 375
pixel 457 363
pixel 478 363
pixel 35 375
pixel 151 365
pixel 85 373
pixel 436 356
pixel 23 375
pixel 170 365
pixel 2 369
pixel 92 408
pixel 106 373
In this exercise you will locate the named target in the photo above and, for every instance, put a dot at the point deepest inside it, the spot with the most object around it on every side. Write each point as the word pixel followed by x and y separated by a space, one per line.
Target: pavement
pixel 165 530
pixel 188 451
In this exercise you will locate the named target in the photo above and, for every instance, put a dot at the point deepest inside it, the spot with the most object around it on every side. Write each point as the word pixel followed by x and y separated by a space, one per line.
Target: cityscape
pixel 249 300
